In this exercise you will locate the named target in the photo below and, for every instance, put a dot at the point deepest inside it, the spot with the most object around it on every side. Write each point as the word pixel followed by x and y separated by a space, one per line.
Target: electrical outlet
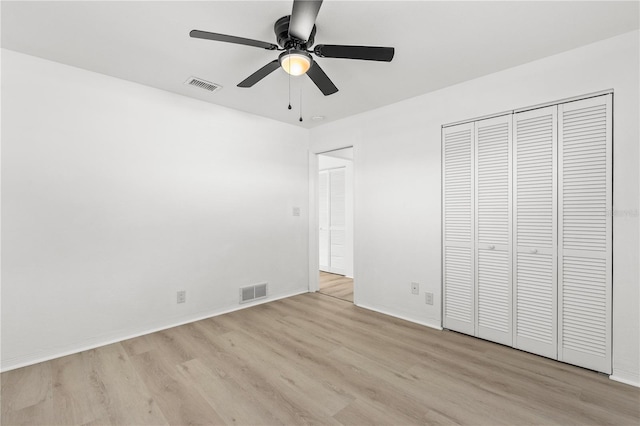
pixel 428 298
pixel 415 288
pixel 181 296
pixel 296 211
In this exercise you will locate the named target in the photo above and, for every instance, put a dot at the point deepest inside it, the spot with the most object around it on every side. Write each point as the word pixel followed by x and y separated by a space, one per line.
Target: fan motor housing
pixel 281 28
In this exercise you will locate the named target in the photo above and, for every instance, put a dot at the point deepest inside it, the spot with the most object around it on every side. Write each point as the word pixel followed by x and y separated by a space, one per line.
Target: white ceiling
pixel 437 44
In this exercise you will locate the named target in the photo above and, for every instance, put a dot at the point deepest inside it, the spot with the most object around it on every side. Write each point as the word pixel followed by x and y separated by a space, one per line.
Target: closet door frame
pixel 552 347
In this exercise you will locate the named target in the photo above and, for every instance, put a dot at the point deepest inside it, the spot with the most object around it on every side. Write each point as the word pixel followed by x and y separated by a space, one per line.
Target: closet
pixel 527 236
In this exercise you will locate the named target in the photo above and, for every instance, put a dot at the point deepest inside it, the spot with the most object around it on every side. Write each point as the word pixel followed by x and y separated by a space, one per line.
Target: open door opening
pixel 335 223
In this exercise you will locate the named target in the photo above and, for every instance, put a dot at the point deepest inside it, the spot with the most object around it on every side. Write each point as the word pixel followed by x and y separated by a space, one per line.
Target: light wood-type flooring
pixel 336 286
pixel 310 359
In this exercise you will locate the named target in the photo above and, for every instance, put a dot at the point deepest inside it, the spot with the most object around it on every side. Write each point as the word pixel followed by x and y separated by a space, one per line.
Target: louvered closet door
pixel 458 228
pixel 585 233
pixel 535 234
pixel 493 229
pixel 337 218
pixel 323 219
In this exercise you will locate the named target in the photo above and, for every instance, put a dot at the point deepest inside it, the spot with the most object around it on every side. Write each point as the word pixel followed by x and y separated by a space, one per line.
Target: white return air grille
pixel 253 292
pixel 202 84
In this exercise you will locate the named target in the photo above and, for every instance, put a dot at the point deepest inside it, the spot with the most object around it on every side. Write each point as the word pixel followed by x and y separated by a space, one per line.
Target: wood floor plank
pixel 279 327
pixel 124 395
pixel 139 344
pixel 480 400
pixel 306 360
pixel 477 403
pixel 293 383
pixel 310 359
pixel 358 337
pixel 77 391
pixel 342 377
pixel 337 286
pixel 177 399
pixel 222 392
pixel 363 411
pixel 33 415
pixel 217 356
pixel 26 387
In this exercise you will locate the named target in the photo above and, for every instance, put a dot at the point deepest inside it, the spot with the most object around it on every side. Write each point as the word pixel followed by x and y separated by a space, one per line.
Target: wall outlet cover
pixel 428 298
pixel 415 288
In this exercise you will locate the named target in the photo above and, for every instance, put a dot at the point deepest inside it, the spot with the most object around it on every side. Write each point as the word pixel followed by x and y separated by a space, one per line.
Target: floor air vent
pixel 253 292
pixel 203 84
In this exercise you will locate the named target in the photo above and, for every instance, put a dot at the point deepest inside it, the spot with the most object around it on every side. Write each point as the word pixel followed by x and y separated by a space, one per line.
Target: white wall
pixel 326 162
pixel 116 195
pixel 398 208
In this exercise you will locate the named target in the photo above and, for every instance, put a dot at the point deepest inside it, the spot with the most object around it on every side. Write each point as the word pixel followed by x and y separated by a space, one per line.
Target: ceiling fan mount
pixel 295 34
pixel 286 41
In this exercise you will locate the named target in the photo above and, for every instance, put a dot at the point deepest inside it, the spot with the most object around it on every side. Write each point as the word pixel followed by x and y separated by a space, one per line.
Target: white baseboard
pixel 36 358
pixel 381 311
pixel 628 381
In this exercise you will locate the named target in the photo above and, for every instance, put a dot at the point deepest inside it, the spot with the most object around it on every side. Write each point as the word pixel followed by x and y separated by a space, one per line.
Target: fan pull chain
pixel 301 101
pixel 289 89
pixel 289 74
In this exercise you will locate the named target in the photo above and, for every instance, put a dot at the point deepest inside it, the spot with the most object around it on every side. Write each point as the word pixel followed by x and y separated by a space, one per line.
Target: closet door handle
pixel 491 247
pixel 534 251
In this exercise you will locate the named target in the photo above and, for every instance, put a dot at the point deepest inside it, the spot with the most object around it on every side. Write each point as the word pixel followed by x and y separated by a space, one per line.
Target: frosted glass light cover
pixel 295 63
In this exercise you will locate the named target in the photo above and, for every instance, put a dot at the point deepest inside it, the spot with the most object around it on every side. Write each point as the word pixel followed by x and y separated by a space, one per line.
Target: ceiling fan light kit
pixel 295 35
pixel 295 62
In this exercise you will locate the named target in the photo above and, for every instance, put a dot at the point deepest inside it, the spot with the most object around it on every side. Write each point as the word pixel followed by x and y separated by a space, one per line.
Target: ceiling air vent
pixel 202 84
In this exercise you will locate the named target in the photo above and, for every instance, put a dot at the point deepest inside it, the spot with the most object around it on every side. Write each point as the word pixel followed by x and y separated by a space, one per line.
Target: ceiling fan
pixel 295 34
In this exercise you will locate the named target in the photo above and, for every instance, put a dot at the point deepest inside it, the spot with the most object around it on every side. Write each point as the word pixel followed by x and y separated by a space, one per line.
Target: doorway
pixel 335 223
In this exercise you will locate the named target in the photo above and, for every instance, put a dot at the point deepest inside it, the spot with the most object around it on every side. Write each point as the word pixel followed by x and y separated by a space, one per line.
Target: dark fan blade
pixel 321 80
pixel 232 39
pixel 303 18
pixel 367 53
pixel 260 74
